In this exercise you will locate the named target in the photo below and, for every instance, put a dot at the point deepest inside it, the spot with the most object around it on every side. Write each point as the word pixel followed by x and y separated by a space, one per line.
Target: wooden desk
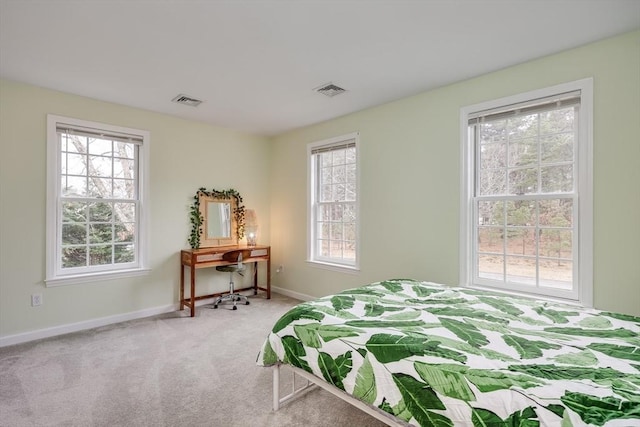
pixel 212 257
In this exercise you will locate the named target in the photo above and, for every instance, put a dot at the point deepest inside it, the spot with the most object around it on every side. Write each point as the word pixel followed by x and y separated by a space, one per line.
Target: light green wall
pixel 410 189
pixel 185 155
pixel 410 177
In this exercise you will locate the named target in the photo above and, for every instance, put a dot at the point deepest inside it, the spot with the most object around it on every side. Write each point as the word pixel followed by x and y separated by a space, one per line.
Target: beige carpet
pixel 167 370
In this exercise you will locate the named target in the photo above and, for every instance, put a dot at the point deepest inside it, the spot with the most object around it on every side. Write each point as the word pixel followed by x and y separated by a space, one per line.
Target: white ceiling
pixel 255 63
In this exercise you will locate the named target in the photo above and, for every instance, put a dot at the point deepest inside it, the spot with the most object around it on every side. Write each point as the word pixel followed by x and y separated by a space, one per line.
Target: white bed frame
pixel 311 382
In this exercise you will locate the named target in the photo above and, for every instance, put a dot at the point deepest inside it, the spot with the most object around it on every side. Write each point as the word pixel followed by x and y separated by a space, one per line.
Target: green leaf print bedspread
pixel 432 355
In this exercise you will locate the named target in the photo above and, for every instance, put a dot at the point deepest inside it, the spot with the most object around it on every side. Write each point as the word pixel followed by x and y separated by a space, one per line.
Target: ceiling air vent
pixel 330 90
pixel 186 100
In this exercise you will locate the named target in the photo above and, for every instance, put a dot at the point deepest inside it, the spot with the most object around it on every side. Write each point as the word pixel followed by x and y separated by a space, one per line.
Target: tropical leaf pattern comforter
pixel 432 355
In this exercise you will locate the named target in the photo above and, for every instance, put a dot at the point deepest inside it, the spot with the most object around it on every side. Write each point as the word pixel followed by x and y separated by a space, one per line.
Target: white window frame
pixel 583 208
pixel 312 195
pixel 55 275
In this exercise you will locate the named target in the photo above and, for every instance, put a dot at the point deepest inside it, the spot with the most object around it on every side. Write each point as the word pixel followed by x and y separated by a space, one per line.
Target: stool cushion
pixel 230 268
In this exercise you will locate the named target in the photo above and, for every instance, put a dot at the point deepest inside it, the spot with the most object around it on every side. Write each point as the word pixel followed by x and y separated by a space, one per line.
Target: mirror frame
pixel 198 237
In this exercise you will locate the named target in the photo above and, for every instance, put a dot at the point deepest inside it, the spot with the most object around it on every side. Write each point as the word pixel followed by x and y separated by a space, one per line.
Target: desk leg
pixel 181 286
pixel 193 290
pixel 255 278
pixel 269 278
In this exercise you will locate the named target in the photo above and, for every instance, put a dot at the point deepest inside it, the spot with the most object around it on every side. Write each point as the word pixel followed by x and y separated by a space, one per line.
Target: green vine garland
pixel 197 219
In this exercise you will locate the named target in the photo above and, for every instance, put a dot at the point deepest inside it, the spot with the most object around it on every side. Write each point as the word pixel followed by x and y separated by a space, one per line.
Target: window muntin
pixel 95 200
pixel 334 206
pixel 528 206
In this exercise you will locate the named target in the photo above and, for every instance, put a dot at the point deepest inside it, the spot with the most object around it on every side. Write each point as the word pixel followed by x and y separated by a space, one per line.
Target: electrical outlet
pixel 36 300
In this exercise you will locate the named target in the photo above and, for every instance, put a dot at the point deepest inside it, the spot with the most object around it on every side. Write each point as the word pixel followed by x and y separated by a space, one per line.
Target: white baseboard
pixel 293 294
pixel 87 324
pixel 103 321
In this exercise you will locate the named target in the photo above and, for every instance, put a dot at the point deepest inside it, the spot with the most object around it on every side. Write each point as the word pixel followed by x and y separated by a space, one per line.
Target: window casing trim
pixel 312 257
pixel 583 272
pixel 55 277
pixel 95 277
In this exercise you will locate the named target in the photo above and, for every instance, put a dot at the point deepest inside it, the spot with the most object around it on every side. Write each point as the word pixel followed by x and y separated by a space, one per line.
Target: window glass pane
pixel 335 249
pixel 74 144
pixel 523 126
pixel 336 231
pixel 492 156
pixel 523 181
pixel 324 230
pixel 326 193
pixel 325 212
pixel 74 186
pixel 100 166
pixel 324 248
pixel 125 150
pixel 124 232
pixel 490 213
pixel 492 181
pixel 339 174
pixel 100 147
pixel 351 173
pixel 74 257
pixel 349 231
pixel 326 175
pixel 349 213
pixel 339 157
pixel 326 159
pixel 124 168
pixel 555 243
pixel 125 212
pixel 350 155
pixel 100 233
pixel 100 187
pixel 521 270
pixel 74 212
pixel 124 253
pixel 561 120
pixel 350 192
pixel 340 192
pixel 494 131
pixel 491 239
pixel 556 148
pixel 74 164
pixel 521 241
pixel 557 179
pixel 73 234
pixel 336 212
pixel 349 252
pixel 124 189
pixel 521 212
pixel 100 255
pixel 100 212
pixel 491 267
pixel 523 152
pixel 556 212
pixel 557 275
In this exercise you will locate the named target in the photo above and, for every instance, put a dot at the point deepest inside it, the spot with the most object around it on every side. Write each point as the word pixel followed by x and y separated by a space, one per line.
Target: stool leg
pixel 232 291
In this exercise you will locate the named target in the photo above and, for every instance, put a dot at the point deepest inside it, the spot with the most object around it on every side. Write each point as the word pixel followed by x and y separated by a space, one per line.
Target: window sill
pixel 95 277
pixel 529 295
pixel 341 268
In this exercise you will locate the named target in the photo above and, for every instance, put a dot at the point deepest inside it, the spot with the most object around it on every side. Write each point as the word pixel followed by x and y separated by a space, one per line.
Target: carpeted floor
pixel 167 370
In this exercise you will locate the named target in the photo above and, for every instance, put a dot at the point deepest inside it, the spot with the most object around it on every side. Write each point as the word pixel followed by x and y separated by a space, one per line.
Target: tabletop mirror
pixel 217 219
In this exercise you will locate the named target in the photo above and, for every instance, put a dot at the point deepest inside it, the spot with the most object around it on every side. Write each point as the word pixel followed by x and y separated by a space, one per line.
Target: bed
pixel 425 354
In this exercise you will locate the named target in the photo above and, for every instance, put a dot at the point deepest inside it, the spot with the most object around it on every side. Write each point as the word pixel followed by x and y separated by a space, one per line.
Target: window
pixel 95 200
pixel 333 196
pixel 527 191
